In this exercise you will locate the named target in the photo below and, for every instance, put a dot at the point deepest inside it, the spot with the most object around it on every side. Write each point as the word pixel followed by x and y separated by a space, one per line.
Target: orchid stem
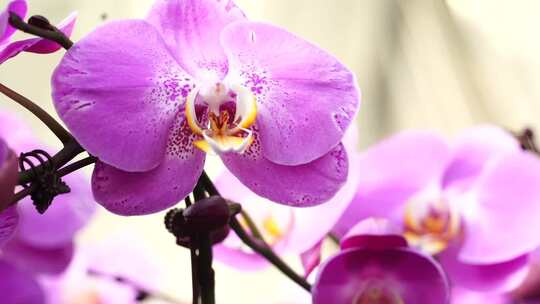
pixel 52 35
pixel 77 165
pixel 205 273
pixel 257 245
pixel 63 135
pixel 193 252
pixel 251 225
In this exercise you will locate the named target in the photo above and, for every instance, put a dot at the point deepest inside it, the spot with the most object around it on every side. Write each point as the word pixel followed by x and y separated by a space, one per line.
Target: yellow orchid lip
pixel 432 230
pixel 220 135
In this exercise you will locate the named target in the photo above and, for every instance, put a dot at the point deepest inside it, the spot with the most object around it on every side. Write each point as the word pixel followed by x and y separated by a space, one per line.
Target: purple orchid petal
pixel 19 7
pixel 414 277
pixel 38 260
pixel 63 219
pixel 191 29
pixel 373 233
pixel 119 92
pixel 500 220
pixel 37 45
pixel 472 151
pixel 240 259
pixel 300 186
pixel 8 174
pixel 390 173
pixel 501 277
pixel 132 193
pixel 287 73
pixel 9 219
pixel 17 286
pixel 311 258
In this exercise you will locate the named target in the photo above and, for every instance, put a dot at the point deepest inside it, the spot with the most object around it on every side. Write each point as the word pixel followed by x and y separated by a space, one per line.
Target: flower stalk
pixel 50 33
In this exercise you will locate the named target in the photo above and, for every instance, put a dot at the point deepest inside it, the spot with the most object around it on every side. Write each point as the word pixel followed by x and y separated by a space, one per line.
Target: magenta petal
pixel 306 97
pixel 119 91
pixel 9 219
pixel 501 277
pixel 472 151
pixel 240 259
pixel 37 45
pixel 499 223
pixel 191 29
pixel 299 186
pixel 311 258
pixel 373 233
pixel 63 219
pixel 18 286
pixel 416 278
pixel 133 193
pixel 391 172
pixel 19 7
pixel 465 296
pixel 38 260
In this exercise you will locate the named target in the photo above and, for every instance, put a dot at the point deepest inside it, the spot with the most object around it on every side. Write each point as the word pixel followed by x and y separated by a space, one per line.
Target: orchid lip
pixel 221 134
pixel 431 225
pixel 377 292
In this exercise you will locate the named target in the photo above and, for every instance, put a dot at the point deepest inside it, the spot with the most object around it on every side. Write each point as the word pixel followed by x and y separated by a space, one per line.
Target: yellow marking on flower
pixel 191 115
pixel 431 228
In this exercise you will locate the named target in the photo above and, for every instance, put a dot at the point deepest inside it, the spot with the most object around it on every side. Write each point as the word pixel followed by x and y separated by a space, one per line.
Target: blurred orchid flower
pixel 376 266
pixel 10 49
pixel 43 243
pixel 115 271
pixel 149 97
pixel 8 180
pixel 296 231
pixel 474 204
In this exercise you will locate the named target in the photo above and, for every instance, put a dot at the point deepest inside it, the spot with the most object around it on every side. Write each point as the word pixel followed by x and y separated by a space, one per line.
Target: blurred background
pixel 419 63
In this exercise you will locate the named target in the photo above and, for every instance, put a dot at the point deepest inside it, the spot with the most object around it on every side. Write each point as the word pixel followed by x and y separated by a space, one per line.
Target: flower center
pixel 430 223
pixel 231 110
pixel 376 292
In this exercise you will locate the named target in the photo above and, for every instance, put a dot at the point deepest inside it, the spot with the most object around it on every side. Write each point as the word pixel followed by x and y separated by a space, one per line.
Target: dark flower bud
pixel 41 22
pixel 207 215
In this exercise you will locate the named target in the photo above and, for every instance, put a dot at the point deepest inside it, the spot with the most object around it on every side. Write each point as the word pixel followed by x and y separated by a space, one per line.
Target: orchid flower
pixel 18 286
pixel 114 271
pixel 376 266
pixel 287 230
pixel 150 97
pixel 473 204
pixel 34 45
pixel 42 243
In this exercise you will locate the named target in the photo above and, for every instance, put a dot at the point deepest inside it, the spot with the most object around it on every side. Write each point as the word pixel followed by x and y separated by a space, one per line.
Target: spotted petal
pixel 306 97
pixel 300 186
pixel 118 90
pixel 137 193
pixel 191 30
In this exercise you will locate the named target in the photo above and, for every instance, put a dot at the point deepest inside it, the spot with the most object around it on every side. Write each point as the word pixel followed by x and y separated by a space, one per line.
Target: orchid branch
pixel 257 245
pixel 63 135
pixel 51 33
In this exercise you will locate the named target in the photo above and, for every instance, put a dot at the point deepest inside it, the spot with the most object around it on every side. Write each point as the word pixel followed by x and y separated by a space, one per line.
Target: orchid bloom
pixel 34 45
pixel 42 243
pixel 19 286
pixel 150 97
pixel 117 270
pixel 287 230
pixel 376 266
pixel 473 204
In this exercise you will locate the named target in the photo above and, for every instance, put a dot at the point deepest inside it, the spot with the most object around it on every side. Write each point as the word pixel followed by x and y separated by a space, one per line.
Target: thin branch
pixel 41 114
pixel 251 225
pixel 77 165
pixel 54 35
pixel 258 246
